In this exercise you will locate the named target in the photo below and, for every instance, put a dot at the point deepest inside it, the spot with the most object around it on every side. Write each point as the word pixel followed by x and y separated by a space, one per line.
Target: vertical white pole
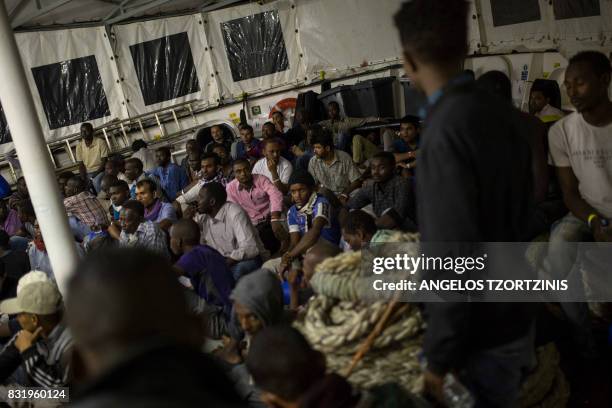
pixel 33 155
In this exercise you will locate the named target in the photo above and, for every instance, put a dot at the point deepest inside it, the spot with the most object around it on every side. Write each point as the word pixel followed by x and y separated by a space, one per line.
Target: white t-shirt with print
pixel 587 150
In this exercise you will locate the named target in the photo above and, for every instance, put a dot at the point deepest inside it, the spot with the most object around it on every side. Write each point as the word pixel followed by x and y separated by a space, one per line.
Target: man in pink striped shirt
pixel 262 201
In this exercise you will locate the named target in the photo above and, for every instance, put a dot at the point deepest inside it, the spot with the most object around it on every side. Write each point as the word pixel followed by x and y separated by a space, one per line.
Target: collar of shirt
pixel 383 186
pixel 55 333
pixel 247 188
pixel 252 144
pixel 142 229
pixel 133 237
pixel 334 160
pixel 93 144
pixel 219 178
pixel 432 99
pixel 220 217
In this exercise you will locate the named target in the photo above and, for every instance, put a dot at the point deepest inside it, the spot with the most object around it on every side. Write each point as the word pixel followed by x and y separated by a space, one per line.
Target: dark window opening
pixel 165 68
pixel 71 91
pixel 565 9
pixel 507 12
pixel 255 45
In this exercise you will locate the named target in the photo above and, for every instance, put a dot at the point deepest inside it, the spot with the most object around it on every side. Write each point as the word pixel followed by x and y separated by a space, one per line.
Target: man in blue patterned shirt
pixel 311 219
pixel 173 178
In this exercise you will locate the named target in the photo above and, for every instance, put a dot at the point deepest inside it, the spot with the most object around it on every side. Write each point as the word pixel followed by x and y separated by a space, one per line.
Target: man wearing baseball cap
pixel 43 345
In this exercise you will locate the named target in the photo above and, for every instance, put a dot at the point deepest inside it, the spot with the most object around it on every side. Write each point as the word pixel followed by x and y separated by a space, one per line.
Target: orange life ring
pixel 283 105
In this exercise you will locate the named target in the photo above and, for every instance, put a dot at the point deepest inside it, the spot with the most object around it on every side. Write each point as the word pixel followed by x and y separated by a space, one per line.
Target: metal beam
pixel 219 4
pixel 124 6
pixel 116 10
pixel 20 20
pixel 136 11
pixel 207 3
pixel 18 8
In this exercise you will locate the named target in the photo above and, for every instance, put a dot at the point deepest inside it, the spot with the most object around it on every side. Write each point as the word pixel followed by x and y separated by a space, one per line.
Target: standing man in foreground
pixel 464 188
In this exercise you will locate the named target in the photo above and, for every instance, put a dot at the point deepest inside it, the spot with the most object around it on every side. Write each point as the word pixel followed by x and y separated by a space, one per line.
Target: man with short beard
pixel 218 137
pixel 273 166
pixel 227 227
pixel 225 161
pixel 581 151
pixel 262 201
pixel 209 173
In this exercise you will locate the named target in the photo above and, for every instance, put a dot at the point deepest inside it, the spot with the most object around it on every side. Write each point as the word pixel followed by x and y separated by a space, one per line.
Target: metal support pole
pixel 115 143
pixel 125 137
pixel 108 143
pixel 70 152
pixel 161 128
pixel 195 121
pixel 50 156
pixel 142 131
pixel 34 157
pixel 178 125
pixel 13 173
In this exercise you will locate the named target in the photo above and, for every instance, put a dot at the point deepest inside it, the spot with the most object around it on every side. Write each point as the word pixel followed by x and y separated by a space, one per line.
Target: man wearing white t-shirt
pixel 274 166
pixel 581 150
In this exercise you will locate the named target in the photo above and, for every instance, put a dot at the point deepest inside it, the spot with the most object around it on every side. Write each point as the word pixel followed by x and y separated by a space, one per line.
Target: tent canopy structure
pixel 99 60
pixel 33 14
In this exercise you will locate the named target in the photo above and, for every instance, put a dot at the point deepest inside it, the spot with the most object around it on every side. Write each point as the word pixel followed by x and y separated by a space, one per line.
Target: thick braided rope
pixel 337 321
pixel 337 329
pixel 546 385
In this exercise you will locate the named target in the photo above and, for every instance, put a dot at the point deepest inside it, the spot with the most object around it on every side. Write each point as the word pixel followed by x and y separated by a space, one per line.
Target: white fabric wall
pixel 339 38
pixel 568 36
pixel 130 34
pixel 524 37
pixel 229 88
pixel 47 47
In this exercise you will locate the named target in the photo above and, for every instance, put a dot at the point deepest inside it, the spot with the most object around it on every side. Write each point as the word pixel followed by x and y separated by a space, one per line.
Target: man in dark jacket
pixel 136 344
pixel 467 192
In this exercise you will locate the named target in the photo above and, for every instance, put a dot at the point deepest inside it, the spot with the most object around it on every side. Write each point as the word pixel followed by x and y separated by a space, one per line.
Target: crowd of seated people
pixel 232 226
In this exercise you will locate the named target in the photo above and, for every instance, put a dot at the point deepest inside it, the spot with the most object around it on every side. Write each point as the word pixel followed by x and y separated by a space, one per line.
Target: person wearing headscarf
pixel 258 303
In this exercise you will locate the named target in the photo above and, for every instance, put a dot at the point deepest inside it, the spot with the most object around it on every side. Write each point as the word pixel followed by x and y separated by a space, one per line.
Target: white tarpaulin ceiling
pixel 32 13
pixel 217 50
